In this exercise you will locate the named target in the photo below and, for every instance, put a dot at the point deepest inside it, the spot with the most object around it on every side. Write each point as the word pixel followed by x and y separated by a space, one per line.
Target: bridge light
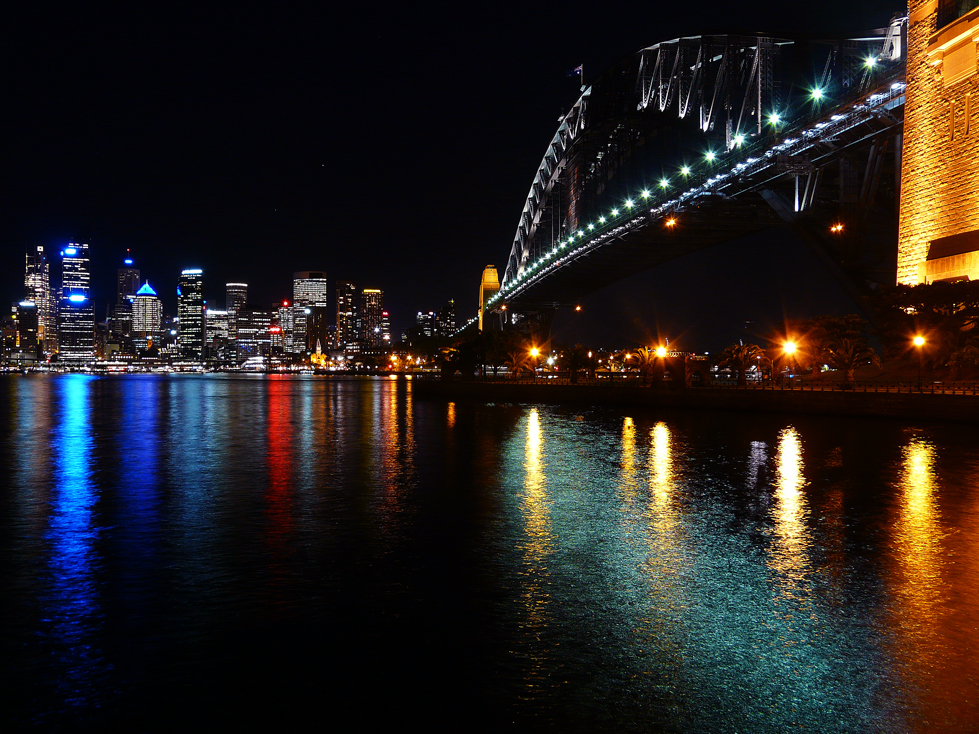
pixel 591 226
pixel 816 94
pixel 774 118
pixel 664 183
pixel 739 139
pixel 671 222
pixel 629 204
pixel 685 170
pixel 870 62
pixel 644 193
pixel 710 156
pixel 601 220
pixel 615 212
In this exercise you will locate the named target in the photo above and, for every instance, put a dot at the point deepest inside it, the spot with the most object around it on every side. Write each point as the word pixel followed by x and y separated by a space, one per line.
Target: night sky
pixel 389 146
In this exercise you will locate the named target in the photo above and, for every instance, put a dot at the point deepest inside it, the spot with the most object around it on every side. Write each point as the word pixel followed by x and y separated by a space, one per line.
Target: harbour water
pixel 243 550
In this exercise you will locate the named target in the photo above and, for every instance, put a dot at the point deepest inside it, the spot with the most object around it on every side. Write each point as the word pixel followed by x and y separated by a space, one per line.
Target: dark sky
pixel 389 146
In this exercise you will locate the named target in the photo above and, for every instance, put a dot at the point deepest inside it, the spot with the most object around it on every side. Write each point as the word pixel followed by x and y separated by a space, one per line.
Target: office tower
pixel 425 321
pixel 127 281
pixel 254 332
pixel 309 288
pixel 446 325
pixel 37 279
pixel 147 316
pixel 236 296
pixel 371 309
pixel 216 333
pixel 76 318
pixel 317 328
pixel 489 286
pixel 347 306
pixel 385 329
pixel 26 346
pixel 282 327
pixel 190 313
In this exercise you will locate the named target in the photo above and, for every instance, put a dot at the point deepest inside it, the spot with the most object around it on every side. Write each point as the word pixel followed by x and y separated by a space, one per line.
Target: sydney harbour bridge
pixel 700 140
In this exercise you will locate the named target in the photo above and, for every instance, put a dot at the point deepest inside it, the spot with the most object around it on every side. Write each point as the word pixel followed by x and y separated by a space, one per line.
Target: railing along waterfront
pixel 785 385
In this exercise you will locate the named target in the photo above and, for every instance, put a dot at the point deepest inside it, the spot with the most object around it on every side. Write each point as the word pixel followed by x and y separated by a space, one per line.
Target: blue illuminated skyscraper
pixel 76 318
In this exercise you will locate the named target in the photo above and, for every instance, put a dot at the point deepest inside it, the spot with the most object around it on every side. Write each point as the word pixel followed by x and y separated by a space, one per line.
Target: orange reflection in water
pixel 793 541
pixel 629 482
pixel 537 546
pixel 920 592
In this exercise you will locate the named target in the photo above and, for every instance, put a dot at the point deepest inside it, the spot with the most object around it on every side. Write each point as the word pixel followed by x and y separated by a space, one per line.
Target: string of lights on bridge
pixel 631 212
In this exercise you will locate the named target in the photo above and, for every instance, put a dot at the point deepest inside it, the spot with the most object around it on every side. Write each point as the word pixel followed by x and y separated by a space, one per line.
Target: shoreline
pixel 916 406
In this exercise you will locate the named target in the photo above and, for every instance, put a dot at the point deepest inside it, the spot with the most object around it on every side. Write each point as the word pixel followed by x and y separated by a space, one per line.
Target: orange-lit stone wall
pixel 940 169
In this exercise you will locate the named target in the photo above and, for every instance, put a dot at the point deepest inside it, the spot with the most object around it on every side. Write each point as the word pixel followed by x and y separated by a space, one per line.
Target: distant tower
pixel 489 286
pixel 37 280
pixel 447 319
pixel 371 317
pixel 76 318
pixel 938 230
pixel 236 296
pixel 346 314
pixel 190 312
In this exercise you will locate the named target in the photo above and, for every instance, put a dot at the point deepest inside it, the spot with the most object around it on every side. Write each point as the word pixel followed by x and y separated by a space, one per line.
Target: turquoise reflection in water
pixel 72 603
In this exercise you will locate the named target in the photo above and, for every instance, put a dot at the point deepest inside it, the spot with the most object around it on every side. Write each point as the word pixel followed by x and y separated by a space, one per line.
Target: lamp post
pixel 788 351
pixel 919 343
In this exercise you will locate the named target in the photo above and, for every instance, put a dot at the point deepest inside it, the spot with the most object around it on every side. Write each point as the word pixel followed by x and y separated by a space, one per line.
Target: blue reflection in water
pixel 72 604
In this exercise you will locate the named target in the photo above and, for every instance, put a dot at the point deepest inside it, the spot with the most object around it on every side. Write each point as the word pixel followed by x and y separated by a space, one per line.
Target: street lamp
pixel 661 352
pixel 919 343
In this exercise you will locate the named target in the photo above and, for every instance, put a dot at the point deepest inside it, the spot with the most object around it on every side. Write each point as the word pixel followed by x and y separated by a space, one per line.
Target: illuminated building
pixel 370 318
pixel 24 347
pixel 127 284
pixel 309 288
pixel 489 286
pixel 939 223
pixel 236 296
pixel 446 324
pixel 347 306
pixel 76 318
pixel 317 328
pixel 190 313
pixel 286 339
pixel 147 316
pixel 425 321
pixel 37 280
pixel 216 329
pixel 254 332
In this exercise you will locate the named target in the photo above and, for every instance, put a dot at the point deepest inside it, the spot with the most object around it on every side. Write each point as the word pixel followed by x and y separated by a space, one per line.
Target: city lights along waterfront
pixel 247 550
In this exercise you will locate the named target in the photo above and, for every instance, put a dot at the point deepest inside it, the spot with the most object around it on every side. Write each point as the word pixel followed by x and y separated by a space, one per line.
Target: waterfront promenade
pixel 946 402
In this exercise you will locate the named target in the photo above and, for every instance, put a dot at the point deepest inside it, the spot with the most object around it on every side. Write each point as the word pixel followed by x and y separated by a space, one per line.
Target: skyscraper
pixel 37 279
pixel 371 314
pixel 309 288
pixel 127 284
pixel 190 313
pixel 147 316
pixel 76 318
pixel 236 296
pixel 347 316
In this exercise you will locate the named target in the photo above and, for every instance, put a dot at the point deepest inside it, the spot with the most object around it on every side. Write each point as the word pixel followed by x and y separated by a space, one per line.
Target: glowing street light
pixel 671 222
pixel 774 119
pixel 836 228
pixel 816 94
pixel 661 352
pixel 685 171
pixel 664 183
pixel 919 343
pixel 709 156
pixel 644 193
pixel 789 348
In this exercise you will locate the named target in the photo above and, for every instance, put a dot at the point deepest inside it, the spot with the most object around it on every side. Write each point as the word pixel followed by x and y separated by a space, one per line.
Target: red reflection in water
pixel 279 461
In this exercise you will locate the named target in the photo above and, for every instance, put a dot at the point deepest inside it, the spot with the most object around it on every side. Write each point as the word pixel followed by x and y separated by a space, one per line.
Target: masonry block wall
pixel 939 220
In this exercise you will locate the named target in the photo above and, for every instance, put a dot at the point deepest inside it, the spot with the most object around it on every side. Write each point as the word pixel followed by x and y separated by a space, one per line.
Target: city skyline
pixel 225 181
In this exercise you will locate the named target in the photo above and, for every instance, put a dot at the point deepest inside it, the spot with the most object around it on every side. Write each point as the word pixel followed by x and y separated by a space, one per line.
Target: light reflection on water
pixel 594 570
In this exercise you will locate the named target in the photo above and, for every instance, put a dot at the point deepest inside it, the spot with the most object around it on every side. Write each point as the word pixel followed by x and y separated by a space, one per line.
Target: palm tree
pixel 517 361
pixel 645 360
pixel 739 357
pixel 848 354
